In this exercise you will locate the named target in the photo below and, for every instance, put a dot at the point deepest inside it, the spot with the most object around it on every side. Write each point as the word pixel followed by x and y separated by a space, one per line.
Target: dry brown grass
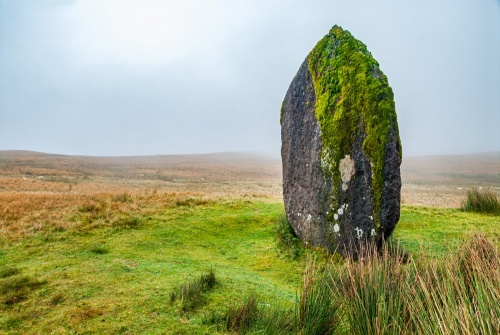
pixel 25 214
pixel 209 174
pixel 40 192
pixel 43 193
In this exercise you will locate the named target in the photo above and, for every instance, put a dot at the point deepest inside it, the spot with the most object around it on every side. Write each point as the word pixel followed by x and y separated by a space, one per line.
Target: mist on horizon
pixel 123 78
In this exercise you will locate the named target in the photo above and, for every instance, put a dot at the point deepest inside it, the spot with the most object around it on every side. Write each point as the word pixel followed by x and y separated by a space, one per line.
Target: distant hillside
pixel 475 169
pixel 462 170
pixel 201 168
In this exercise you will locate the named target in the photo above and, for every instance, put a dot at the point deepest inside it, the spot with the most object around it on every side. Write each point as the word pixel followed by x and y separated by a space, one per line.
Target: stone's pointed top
pixel 341 150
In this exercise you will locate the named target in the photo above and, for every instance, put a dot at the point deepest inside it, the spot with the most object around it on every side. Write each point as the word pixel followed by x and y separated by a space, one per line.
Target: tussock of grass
pixel 319 307
pixel 241 318
pixel 83 313
pixel 481 201
pixel 192 293
pixel 122 197
pixel 99 250
pixel 56 299
pixel 8 271
pixel 127 223
pixel 459 295
pixel 191 201
pixel 255 315
pixel 370 290
pixel 90 207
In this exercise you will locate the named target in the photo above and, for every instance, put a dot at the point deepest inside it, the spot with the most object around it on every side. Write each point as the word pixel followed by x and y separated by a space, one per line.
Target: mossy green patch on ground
pixel 352 96
pixel 119 281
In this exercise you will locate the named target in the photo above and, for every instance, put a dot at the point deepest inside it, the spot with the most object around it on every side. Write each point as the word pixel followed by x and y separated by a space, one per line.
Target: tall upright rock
pixel 341 150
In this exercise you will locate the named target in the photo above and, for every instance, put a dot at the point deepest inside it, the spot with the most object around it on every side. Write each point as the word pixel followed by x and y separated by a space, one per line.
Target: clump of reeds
pixel 460 294
pixel 383 294
pixel 255 315
pixel 481 201
pixel 192 293
pixel 371 290
pixel 319 306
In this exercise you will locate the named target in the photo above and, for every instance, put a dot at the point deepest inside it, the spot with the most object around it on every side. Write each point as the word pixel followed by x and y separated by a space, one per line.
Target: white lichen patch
pixel 309 217
pixel 340 211
pixel 371 217
pixel 336 228
pixel 373 233
pixel 359 232
pixel 336 216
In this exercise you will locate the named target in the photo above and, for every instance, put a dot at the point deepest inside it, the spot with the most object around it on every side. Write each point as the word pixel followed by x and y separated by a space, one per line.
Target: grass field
pixel 99 248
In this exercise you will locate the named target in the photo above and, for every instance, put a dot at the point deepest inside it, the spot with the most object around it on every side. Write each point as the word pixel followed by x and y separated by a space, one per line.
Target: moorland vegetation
pixel 154 260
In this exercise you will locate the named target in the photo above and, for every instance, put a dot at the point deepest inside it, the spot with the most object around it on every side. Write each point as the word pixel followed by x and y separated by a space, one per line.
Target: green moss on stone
pixel 352 96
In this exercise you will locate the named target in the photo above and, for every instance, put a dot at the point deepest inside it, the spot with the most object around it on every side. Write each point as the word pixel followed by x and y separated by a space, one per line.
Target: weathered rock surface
pixel 341 150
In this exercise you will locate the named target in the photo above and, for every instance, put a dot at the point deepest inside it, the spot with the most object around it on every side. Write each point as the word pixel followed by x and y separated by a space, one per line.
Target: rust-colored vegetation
pixel 46 193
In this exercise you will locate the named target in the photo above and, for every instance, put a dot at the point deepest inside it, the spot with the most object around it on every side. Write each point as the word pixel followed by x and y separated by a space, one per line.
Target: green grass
pixel 8 271
pixel 15 289
pixel 437 230
pixel 107 279
pixel 119 280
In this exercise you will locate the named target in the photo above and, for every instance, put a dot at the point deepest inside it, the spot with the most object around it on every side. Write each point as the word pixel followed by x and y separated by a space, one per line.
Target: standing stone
pixel 341 150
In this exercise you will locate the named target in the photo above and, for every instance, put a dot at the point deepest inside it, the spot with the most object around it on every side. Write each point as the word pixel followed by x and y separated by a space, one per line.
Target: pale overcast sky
pixel 130 77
